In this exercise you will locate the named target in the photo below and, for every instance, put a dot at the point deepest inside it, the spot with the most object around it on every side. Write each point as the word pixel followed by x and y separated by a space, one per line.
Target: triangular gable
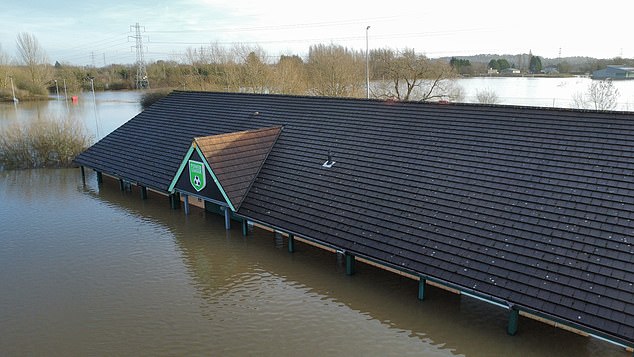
pixel 232 160
pixel 206 185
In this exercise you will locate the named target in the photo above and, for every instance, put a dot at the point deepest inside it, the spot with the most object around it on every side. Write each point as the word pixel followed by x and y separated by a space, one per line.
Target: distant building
pixel 510 71
pixel 550 70
pixel 492 71
pixel 614 72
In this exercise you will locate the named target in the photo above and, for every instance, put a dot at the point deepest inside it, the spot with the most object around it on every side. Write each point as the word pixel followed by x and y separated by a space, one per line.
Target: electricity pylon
pixel 141 79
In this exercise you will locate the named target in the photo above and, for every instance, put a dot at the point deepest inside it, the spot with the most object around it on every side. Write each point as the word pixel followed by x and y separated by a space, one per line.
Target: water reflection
pixel 94 271
pixel 107 112
pixel 250 286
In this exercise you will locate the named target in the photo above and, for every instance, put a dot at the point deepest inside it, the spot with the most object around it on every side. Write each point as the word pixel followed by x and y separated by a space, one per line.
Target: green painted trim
pixel 213 175
pixel 181 168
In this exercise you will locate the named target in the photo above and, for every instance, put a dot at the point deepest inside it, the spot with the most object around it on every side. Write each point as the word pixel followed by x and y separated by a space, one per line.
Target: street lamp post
pixel 367 64
pixel 94 102
pixel 15 100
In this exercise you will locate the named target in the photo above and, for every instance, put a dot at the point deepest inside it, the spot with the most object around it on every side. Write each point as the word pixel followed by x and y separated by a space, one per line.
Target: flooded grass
pixel 43 143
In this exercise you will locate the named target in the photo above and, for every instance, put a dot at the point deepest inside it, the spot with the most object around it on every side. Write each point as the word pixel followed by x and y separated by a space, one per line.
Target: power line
pixel 280 27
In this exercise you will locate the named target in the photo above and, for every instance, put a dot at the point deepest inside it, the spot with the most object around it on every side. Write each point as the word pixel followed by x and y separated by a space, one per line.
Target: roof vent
pixel 328 164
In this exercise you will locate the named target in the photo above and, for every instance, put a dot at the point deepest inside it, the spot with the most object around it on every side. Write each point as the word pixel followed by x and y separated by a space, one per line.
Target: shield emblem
pixel 197 175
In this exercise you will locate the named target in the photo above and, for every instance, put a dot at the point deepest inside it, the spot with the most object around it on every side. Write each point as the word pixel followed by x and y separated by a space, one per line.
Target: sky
pixel 97 33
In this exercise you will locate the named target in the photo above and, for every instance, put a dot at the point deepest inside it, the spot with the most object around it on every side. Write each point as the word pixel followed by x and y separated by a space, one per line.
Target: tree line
pixel 327 70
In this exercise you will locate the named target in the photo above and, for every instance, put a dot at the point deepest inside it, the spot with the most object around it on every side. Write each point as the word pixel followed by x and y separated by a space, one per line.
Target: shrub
pixel 487 96
pixel 44 143
pixel 149 98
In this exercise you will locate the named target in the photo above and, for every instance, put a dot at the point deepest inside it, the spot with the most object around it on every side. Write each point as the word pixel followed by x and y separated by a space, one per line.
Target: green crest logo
pixel 197 175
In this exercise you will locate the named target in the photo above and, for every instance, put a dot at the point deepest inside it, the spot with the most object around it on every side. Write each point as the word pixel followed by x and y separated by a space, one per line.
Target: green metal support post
pixel 514 316
pixel 143 192
pixel 83 175
pixel 349 263
pixel 175 200
pixel 121 185
pixel 291 243
pixel 227 217
pixel 186 204
pixel 245 227
pixel 99 178
pixel 422 285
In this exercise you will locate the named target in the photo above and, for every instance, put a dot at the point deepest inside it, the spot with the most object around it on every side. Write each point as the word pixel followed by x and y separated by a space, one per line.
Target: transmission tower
pixel 141 73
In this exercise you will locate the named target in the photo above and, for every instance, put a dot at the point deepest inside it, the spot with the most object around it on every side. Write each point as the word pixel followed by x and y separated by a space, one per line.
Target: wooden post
pixel 186 204
pixel 227 218
pixel 245 227
pixel 349 263
pixel 143 192
pixel 83 175
pixel 514 316
pixel 121 185
pixel 99 178
pixel 291 243
pixel 422 284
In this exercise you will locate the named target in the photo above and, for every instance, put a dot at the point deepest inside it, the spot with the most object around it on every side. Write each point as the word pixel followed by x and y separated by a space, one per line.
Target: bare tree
pixel 487 96
pixel 289 76
pixel 208 67
pixel 254 72
pixel 603 95
pixel 578 100
pixel 34 58
pixel 600 95
pixel 412 76
pixel 335 71
pixel 4 69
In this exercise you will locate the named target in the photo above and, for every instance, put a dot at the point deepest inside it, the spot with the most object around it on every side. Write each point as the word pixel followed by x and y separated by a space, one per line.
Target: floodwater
pixel 542 92
pixel 100 114
pixel 88 270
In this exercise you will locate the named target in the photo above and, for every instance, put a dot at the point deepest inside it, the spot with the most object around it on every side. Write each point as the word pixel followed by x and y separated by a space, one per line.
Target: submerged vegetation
pixel 43 143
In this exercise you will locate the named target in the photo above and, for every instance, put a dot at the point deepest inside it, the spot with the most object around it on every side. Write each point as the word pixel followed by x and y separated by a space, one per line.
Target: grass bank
pixel 43 143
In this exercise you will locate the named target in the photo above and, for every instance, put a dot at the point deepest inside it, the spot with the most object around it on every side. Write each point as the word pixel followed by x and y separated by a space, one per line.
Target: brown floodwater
pixel 87 270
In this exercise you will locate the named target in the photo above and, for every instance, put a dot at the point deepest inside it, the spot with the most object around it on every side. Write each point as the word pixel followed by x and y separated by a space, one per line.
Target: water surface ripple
pixel 96 271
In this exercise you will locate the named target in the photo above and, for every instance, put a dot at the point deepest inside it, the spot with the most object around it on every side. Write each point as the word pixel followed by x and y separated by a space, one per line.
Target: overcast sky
pixel 81 32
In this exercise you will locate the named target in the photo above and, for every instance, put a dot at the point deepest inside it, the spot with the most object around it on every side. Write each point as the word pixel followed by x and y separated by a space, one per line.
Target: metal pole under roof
pixel 227 217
